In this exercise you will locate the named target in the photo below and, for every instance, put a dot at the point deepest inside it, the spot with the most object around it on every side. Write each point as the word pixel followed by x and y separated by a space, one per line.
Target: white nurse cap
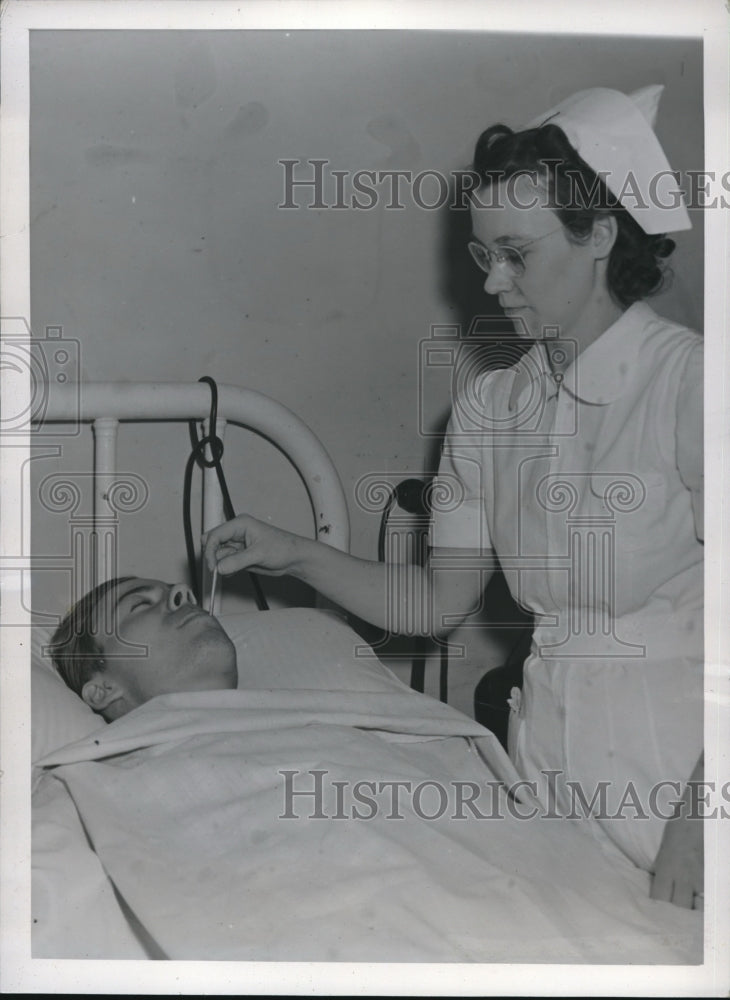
pixel 614 134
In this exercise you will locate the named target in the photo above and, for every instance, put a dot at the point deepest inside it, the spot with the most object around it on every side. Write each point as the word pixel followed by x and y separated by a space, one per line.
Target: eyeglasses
pixel 510 257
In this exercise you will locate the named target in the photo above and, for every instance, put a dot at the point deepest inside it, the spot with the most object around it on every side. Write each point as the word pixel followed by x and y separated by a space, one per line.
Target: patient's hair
pixel 74 648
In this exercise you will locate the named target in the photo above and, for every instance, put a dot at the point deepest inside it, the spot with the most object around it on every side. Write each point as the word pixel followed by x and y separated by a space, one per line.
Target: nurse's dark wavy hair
pixel 578 198
pixel 74 648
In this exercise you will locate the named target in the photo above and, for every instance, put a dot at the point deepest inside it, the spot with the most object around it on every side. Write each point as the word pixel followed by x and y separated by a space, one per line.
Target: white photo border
pixel 18 971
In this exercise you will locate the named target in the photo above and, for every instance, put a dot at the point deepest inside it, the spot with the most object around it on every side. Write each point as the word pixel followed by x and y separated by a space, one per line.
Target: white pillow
pixel 58 716
pixel 284 649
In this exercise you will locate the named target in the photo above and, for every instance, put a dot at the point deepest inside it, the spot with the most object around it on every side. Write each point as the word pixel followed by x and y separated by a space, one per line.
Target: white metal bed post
pixel 213 511
pixel 104 533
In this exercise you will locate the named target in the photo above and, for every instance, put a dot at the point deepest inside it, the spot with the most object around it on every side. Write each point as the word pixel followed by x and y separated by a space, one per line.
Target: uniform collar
pixel 601 373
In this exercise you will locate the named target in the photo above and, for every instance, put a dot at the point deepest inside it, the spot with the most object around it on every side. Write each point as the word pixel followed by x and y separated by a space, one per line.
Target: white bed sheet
pixel 181 799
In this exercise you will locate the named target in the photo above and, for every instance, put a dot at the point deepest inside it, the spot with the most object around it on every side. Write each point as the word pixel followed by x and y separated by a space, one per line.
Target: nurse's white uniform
pixel 590 491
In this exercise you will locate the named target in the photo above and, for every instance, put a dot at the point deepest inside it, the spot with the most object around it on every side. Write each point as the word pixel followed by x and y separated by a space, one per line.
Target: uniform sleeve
pixel 460 490
pixel 690 436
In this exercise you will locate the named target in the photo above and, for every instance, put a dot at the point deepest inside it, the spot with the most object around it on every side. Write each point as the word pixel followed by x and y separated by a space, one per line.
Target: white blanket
pixel 182 801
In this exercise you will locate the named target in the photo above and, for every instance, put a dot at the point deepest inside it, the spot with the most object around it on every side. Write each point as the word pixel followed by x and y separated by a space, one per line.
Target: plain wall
pixel 157 243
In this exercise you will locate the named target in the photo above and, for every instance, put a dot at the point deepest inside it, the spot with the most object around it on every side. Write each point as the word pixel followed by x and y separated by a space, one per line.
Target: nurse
pixel 580 468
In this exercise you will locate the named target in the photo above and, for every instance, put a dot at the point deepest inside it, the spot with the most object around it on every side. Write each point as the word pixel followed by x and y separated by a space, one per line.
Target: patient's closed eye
pixel 141 598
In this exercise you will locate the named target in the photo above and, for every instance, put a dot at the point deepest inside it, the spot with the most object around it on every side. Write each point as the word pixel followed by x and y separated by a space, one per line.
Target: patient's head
pixel 130 639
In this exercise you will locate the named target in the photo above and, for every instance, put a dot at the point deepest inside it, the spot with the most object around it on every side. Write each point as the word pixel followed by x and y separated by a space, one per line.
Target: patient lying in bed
pixel 131 639
pixel 320 811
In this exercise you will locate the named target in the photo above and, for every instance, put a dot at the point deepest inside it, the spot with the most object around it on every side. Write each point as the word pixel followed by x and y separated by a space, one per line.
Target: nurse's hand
pixel 245 543
pixel 679 866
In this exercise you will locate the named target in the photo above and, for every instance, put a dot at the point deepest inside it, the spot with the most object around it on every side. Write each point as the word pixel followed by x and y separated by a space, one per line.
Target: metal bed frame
pixel 107 405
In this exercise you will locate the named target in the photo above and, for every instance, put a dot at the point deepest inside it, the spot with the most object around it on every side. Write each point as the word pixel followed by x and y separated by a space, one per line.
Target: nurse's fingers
pixel 678 890
pixel 245 543
pixel 226 539
pixel 683 894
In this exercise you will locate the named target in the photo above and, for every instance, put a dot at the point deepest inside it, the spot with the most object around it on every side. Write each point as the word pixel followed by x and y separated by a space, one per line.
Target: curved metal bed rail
pixel 106 404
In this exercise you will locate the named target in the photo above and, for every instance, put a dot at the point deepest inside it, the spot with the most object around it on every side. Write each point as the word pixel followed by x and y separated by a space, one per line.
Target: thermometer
pixel 212 609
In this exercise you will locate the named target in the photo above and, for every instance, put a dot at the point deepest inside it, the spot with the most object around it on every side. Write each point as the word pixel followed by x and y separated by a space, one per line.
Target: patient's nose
pixel 179 594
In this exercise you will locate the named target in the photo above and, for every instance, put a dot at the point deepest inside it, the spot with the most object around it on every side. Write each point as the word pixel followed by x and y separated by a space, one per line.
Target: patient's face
pixel 183 648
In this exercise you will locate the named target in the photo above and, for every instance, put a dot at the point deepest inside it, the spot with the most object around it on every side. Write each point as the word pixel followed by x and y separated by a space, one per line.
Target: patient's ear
pixel 100 692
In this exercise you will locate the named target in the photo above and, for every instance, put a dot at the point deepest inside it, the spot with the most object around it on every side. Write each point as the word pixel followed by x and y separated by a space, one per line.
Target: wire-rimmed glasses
pixel 509 257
